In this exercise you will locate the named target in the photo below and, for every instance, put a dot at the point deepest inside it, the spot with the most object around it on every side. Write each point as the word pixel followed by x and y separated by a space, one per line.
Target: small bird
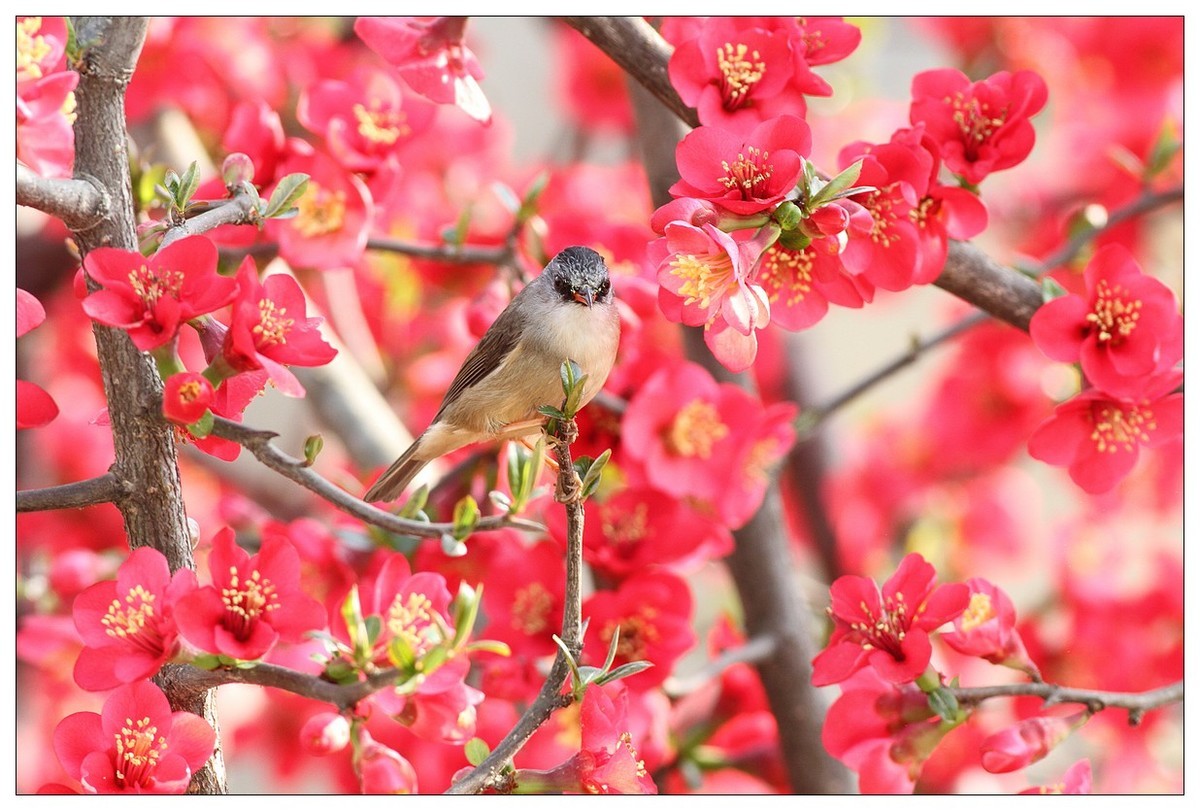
pixel 566 313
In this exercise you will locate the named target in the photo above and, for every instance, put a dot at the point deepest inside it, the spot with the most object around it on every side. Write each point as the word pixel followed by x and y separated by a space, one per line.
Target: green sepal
pixel 465 611
pixel 203 426
pixel 1051 289
pixel 207 661
pixel 943 701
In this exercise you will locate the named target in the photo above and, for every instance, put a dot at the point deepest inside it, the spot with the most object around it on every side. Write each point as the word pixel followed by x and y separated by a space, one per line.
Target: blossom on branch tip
pixel 1028 742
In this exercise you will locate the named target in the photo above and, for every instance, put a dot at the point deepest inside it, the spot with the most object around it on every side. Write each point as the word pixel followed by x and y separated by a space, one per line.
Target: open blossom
pixel 41 43
pixel 1124 329
pixel 887 628
pixel 651 612
pixel 334 213
pixel 743 175
pixel 1098 437
pixel 980 127
pixel 430 54
pixel 151 297
pixel 45 113
pixel 186 397
pixel 134 745
pixel 255 600
pixel 128 624
pixel 801 284
pixel 1028 742
pixel 987 628
pixel 705 279
pixel 268 328
pixel 363 119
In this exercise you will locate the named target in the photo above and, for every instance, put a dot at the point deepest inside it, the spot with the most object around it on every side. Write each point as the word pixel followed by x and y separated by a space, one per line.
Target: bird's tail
pixel 393 481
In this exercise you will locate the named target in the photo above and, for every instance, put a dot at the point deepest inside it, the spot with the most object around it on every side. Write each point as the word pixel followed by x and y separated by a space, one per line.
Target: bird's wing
pixel 487 356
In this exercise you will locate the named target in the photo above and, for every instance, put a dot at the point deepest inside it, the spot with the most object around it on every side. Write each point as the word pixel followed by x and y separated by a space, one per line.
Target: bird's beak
pixel 585 296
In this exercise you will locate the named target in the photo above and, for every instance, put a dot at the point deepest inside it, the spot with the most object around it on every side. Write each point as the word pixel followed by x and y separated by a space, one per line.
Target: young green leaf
pixel 476 751
pixel 287 191
pixel 836 186
pixel 625 671
pixel 466 516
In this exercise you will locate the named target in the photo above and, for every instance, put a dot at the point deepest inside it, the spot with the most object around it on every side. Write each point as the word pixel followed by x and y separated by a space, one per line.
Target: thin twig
pixel 752 651
pixel 241 209
pixel 342 696
pixel 81 203
pixel 259 443
pixel 455 254
pixel 1138 704
pixel 106 489
pixel 489 773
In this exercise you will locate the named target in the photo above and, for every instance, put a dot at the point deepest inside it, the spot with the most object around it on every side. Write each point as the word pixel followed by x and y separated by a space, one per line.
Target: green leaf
pixel 612 648
pixel 625 671
pixel 355 626
pixel 551 411
pixel 312 448
pixel 943 702
pixel 506 196
pixel 562 646
pixel 466 516
pixel 149 185
pixel 1166 146
pixel 489 646
pixel 836 186
pixel 589 674
pixel 373 625
pixel 287 191
pixel 570 373
pixel 529 202
pixel 501 501
pixel 187 186
pixel 591 479
pixel 1051 289
pixel 416 503
pixel 72 49
pixel 458 235
pixel 401 654
pixel 466 610
pixel 476 751
pixel 434 659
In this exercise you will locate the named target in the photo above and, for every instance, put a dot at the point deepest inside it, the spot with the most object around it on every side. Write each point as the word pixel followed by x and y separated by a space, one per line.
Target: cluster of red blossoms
pixel 884 725
pixel 754 234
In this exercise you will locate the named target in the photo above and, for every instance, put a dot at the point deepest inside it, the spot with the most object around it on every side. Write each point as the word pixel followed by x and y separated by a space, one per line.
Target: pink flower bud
pixel 1027 742
pixel 325 733
pixel 382 770
pixel 237 169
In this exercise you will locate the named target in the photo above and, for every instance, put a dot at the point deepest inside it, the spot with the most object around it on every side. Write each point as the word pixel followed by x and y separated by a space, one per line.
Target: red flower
pixel 408 604
pixel 589 86
pixel 608 763
pixel 1028 742
pixel 429 53
pixel 35 407
pixel 651 611
pixel 1097 436
pixel 135 745
pixel 381 769
pixel 254 602
pixel 888 255
pixel 268 328
pixel 365 119
pixel 743 175
pixel 186 397
pixel 335 211
pixel 800 285
pixel 442 708
pixel 256 131
pixel 885 732
pixel 980 127
pixel 151 298
pixel 988 629
pixel 1076 780
pixel 887 629
pixel 45 113
pixel 41 42
pixel 735 78
pixel 705 279
pixel 1122 331
pixel 128 624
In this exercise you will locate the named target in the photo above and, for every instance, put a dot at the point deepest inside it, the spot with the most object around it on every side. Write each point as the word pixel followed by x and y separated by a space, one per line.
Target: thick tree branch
pixel 106 489
pixel 143 442
pixel 490 773
pixel 978 279
pixel 1138 704
pixel 80 203
pixel 259 443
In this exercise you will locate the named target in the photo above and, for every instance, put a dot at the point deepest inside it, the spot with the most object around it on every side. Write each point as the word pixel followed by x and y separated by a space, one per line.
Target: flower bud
pixel 382 770
pixel 237 169
pixel 325 733
pixel 186 397
pixel 1027 742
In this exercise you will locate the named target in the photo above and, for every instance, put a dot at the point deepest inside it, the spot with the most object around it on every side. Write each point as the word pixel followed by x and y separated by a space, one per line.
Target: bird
pixel 567 312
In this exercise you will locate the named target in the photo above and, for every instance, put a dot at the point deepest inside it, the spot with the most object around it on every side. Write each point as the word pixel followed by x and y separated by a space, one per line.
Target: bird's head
pixel 579 275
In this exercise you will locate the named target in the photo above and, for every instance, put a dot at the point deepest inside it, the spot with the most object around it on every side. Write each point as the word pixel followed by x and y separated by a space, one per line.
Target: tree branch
pixel 259 443
pixel 490 773
pixel 81 203
pixel 342 696
pixel 106 489
pixel 238 210
pixel 1138 704
pixel 456 254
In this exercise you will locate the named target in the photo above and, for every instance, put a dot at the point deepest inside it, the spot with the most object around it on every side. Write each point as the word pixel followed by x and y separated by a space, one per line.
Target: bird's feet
pixel 568 488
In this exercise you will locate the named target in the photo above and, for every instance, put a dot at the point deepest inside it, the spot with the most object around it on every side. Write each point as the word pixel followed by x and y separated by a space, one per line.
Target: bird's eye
pixel 603 289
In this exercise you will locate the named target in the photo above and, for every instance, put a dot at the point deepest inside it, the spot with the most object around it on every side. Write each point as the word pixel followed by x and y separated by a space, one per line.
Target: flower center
pixel 411 620
pixel 748 175
pixel 32 48
pixel 925 211
pixel 887 631
pixel 741 69
pixel 1114 314
pixel 150 286
pixel 139 747
pixel 246 599
pixel 760 458
pixel 978 612
pixel 975 119
pixel 321 211
pixel 883 212
pixel 697 427
pixel 1115 428
pixel 190 391
pixel 380 126
pixel 637 632
pixel 531 609
pixel 624 528
pixel 781 269
pixel 703 279
pixel 132 620
pixel 272 327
